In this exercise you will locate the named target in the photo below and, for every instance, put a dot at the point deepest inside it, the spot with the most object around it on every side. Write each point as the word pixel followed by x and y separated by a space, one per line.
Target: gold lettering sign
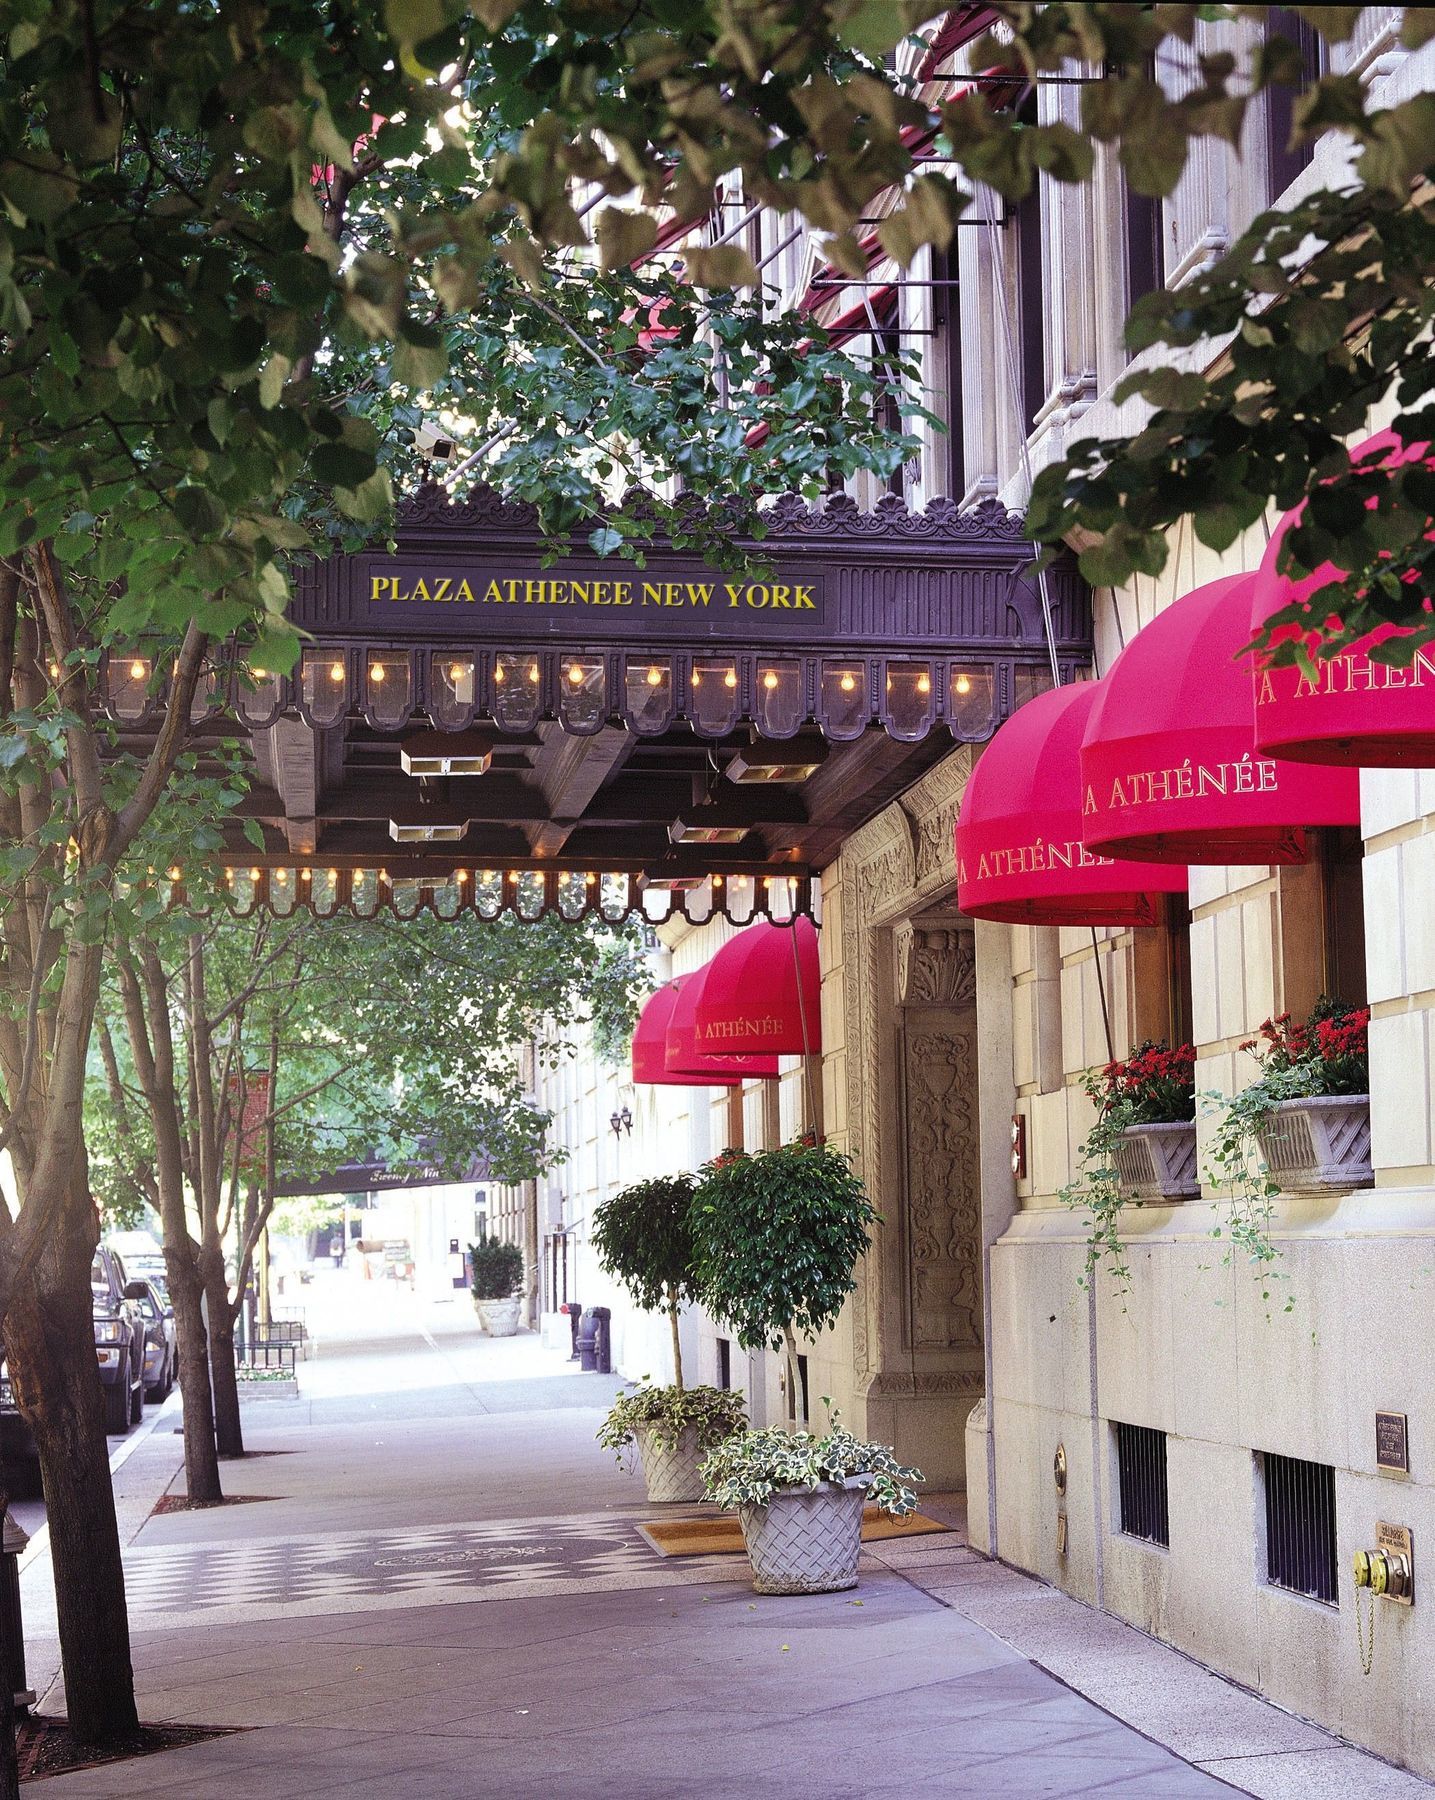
pixel 454 588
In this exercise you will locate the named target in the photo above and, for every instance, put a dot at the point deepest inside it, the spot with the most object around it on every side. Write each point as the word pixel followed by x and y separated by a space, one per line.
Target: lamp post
pixel 621 1122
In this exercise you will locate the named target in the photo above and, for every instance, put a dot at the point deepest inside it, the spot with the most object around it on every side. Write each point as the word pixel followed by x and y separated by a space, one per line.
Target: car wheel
pixel 137 1398
pixel 117 1407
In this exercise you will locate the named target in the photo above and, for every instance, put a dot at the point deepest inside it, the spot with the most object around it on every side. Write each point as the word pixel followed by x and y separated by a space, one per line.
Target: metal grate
pixel 803 1389
pixel 1141 1469
pixel 724 1353
pixel 1300 1527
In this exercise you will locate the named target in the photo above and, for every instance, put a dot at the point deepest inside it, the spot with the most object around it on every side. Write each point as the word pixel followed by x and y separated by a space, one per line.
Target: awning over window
pixel 1020 857
pixel 762 992
pixel 650 1045
pixel 686 1057
pixel 1169 766
pixel 1352 709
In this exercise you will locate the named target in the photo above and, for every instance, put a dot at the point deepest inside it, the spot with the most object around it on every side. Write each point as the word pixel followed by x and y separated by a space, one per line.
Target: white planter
pixel 671 1472
pixel 806 1540
pixel 1157 1162
pixel 1318 1146
pixel 499 1318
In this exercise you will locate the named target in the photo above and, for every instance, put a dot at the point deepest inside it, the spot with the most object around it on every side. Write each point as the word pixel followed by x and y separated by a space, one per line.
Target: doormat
pixel 44 1746
pixel 722 1535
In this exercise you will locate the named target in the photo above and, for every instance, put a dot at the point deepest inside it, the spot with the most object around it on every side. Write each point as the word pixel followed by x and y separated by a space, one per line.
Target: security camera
pixel 433 445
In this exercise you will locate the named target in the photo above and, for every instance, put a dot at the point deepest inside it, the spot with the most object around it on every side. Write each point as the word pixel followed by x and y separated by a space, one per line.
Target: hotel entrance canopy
pixel 525 730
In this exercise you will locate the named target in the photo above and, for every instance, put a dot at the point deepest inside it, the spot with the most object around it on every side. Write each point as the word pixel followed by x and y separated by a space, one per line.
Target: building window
pixel 1300 1527
pixel 1161 978
pixel 947 317
pixel 1145 246
pixel 1032 296
pixel 802 1388
pixel 724 1362
pixel 1141 1477
pixel 1282 162
pixel 1340 853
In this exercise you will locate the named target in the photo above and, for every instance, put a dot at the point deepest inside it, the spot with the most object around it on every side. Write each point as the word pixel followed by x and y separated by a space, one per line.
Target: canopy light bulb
pixel 281 876
pixel 655 677
pixel 730 679
pixel 460 876
pixel 54 671
pixel 498 675
pixel 175 873
pixel 138 670
pixel 924 684
pixel 575 675
pixel 333 874
pixel 848 683
pixel 376 672
pixel 254 874
pixel 717 881
pixel 457 673
pixel 533 673
pixel 589 879
pixel 260 674
pixel 513 875
pixel 306 874
pixel 769 681
pixel 963 684
pixel 336 671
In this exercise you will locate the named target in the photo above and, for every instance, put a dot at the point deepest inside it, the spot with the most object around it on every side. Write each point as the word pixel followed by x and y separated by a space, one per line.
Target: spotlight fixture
pixel 710 823
pixel 674 884
pixel 427 834
pixel 792 759
pixel 446 753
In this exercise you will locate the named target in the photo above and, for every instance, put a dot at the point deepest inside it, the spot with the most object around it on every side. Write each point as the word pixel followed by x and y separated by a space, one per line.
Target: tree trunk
pixel 228 1430
pixel 795 1408
pixel 186 1290
pixel 9 1760
pixel 677 1342
pixel 49 1333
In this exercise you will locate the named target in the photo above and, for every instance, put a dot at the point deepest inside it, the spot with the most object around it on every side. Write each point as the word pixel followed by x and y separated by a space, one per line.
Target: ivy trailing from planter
pixel 1155 1085
pixel 1328 1055
pixel 667 1412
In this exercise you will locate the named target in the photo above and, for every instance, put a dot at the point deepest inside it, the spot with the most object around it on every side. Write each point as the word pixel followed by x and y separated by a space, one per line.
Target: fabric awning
pixel 650 1045
pixel 1169 766
pixel 763 993
pixel 1352 709
pixel 1020 858
pixel 686 1060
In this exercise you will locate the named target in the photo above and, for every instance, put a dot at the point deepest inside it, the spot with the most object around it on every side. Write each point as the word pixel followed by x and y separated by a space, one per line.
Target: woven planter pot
pixel 806 1540
pixel 499 1318
pixel 1157 1162
pixel 671 1471
pixel 1318 1146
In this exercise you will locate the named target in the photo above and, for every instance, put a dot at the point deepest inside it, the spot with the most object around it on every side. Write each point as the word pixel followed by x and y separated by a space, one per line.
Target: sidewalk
pixel 443 1594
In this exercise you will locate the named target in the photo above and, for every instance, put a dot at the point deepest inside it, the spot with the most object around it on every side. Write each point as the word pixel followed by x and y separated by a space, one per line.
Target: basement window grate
pixel 1300 1527
pixel 802 1386
pixel 724 1363
pixel 1141 1471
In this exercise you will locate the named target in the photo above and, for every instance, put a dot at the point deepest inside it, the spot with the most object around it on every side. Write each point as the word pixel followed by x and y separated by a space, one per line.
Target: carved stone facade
pixel 910 1073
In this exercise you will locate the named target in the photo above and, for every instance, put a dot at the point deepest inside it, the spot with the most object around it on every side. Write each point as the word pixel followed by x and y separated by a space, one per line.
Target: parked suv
pixel 119 1340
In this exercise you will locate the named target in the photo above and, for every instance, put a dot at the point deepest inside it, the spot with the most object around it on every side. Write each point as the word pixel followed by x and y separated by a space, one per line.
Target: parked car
pixel 160 1355
pixel 17 1446
pixel 119 1340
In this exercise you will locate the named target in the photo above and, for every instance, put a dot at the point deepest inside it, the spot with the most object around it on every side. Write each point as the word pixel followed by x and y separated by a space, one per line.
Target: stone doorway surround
pixel 904 1084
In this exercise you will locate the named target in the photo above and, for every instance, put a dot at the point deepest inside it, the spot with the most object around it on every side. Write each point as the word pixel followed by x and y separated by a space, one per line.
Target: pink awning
pixel 1169 766
pixel 650 1046
pixel 1352 709
pixel 1020 858
pixel 763 993
pixel 686 1059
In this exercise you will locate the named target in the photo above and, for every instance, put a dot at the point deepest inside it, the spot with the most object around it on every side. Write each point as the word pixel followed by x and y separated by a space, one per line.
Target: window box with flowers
pixel 1308 1110
pixel 1141 1147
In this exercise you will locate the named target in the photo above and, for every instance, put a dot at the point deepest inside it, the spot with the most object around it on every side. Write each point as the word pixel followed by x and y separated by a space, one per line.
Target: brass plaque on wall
pixel 1392 1443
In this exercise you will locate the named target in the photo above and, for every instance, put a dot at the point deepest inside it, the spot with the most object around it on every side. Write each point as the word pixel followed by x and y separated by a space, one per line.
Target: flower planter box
pixel 670 1468
pixel 499 1318
pixel 806 1540
pixel 1318 1146
pixel 1157 1162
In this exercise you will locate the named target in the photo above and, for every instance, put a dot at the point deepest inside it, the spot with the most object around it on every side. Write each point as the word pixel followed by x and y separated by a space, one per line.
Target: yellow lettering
pixel 601 596
pixel 652 594
pixel 802 596
pixel 622 593
pixel 733 591
pixel 492 595
pixel 464 591
pixel 420 590
pixel 699 593
pixel 581 591
pixel 780 595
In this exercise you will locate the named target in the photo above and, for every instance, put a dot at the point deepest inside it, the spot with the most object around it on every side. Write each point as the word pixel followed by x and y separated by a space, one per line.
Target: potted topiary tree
pixel 497 1281
pixel 643 1237
pixel 777 1236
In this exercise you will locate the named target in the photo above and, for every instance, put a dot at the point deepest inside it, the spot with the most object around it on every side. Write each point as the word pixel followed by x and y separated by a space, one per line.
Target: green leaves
pixel 643 1236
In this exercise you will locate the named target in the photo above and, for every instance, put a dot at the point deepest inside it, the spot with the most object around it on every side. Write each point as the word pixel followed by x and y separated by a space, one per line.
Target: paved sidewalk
pixel 444 1594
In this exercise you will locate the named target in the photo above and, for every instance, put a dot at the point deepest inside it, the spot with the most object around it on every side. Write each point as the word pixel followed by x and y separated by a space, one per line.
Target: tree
pixel 643 1235
pixel 254 1049
pixel 777 1236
